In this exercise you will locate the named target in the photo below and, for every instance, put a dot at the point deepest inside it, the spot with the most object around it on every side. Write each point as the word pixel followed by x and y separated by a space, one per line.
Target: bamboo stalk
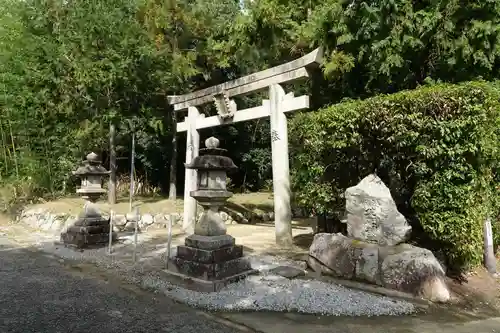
pixel 169 239
pixel 13 149
pixel 110 244
pixel 135 233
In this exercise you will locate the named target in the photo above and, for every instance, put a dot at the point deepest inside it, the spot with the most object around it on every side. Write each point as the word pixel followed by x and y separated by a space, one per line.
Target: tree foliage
pixel 70 68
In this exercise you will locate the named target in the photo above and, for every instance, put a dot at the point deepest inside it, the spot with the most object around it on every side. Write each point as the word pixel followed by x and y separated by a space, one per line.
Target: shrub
pixel 436 148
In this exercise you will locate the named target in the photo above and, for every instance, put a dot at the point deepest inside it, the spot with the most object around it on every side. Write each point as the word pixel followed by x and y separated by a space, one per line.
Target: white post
pixel 489 253
pixel 281 168
pixel 132 172
pixel 169 238
pixel 136 230
pixel 110 241
pixel 192 150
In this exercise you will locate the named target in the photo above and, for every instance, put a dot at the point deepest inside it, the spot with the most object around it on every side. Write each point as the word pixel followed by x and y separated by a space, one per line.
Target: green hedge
pixel 437 148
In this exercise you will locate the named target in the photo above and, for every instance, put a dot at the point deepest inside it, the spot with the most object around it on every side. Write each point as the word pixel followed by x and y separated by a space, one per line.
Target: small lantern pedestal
pixel 209 260
pixel 91 228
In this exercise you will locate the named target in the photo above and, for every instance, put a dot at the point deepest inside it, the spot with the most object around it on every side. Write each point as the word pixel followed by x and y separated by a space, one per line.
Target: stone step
pixel 93 229
pixel 86 221
pixel 209 272
pixel 82 240
pixel 210 256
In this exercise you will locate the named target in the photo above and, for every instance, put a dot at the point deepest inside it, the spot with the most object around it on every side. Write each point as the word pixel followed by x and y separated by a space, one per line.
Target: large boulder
pixel 415 270
pixel 338 253
pixel 403 267
pixel 372 215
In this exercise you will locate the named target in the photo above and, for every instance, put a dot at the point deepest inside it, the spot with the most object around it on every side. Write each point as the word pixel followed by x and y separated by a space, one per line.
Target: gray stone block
pixel 81 240
pixel 213 271
pixel 93 229
pixel 209 242
pixel 210 256
pixel 287 272
pixel 88 221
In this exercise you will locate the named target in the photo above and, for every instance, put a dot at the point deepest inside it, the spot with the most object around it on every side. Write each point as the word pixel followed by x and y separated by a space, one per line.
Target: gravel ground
pixel 264 292
pixel 39 295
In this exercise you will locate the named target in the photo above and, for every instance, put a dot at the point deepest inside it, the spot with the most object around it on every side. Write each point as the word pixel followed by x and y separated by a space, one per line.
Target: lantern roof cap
pixel 91 166
pixel 212 158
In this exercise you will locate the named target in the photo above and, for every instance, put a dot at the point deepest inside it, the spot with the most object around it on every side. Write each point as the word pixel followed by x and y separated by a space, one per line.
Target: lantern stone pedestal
pixel 91 228
pixel 209 259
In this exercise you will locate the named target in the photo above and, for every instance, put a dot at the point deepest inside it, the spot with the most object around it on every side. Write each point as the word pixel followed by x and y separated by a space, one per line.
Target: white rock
pixel 336 252
pixel 287 272
pixel 224 216
pixel 161 219
pixel 147 219
pixel 58 223
pixel 132 217
pixel 372 215
pixel 413 269
pixel 130 226
pixel 367 265
pixel 119 220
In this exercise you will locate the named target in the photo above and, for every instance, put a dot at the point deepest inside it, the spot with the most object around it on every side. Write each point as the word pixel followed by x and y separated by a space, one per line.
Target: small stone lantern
pixel 210 259
pixel 91 228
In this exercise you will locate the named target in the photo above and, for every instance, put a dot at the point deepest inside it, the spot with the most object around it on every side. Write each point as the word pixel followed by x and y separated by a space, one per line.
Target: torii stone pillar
pixel 278 104
pixel 280 166
pixel 192 151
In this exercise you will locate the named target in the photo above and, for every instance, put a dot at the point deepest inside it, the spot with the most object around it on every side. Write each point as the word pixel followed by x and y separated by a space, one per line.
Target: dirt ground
pixel 480 290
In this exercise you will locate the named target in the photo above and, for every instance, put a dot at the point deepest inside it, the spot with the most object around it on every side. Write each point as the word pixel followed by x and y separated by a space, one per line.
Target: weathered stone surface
pixel 130 226
pixel 209 242
pixel 119 220
pixel 210 256
pixel 82 240
pixel 210 224
pixel 372 215
pixel 91 210
pixel 147 219
pixel 234 216
pixel 402 267
pixel 70 221
pixel 161 219
pixel 133 217
pixel 336 252
pixel 212 271
pixel 287 272
pixel 413 269
pixel 97 229
pixel 83 222
pixel 367 267
pixel 318 267
pixel 224 216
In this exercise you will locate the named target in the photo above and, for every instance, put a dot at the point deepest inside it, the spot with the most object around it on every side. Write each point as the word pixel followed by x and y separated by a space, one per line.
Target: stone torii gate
pixel 275 107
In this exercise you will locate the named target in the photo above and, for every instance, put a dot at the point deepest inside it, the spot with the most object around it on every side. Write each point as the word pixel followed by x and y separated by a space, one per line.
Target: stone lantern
pixel 210 259
pixel 91 228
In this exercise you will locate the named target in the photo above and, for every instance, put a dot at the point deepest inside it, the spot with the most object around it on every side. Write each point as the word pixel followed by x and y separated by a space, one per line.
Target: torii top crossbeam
pixel 290 71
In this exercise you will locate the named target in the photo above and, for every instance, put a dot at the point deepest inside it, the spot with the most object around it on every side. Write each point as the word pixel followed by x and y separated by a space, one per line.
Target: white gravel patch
pixel 275 293
pixel 264 292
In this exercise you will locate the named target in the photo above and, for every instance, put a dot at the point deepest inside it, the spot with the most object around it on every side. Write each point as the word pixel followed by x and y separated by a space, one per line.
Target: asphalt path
pixel 38 294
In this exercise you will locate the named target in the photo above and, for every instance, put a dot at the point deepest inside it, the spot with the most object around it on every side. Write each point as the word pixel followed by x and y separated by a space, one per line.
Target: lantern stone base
pixel 208 263
pixel 88 232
